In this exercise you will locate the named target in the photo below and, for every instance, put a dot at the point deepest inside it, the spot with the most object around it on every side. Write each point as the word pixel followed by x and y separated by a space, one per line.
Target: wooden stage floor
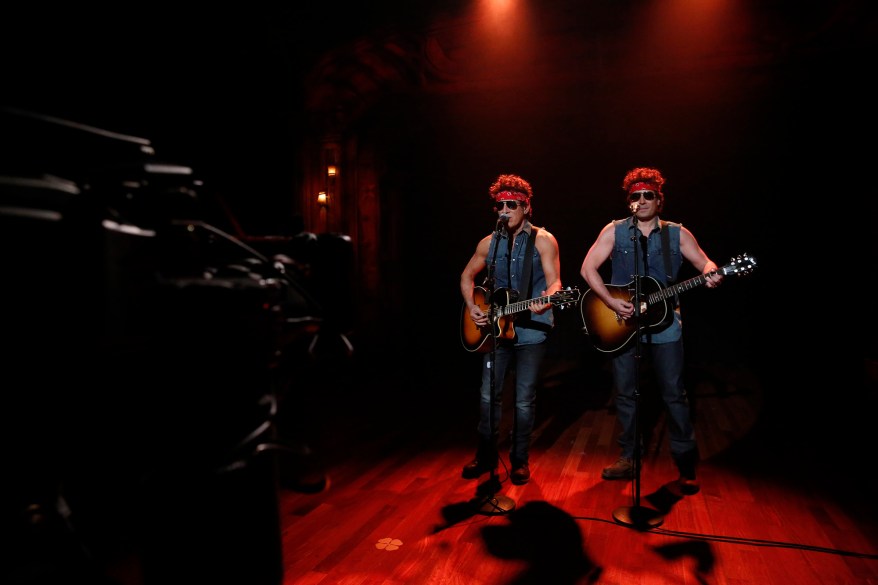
pixel 780 502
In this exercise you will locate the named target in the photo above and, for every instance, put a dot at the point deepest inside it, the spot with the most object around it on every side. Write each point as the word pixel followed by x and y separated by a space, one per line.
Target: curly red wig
pixel 651 178
pixel 508 187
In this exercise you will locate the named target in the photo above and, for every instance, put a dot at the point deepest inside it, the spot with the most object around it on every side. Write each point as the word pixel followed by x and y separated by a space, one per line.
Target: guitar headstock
pixel 740 265
pixel 565 297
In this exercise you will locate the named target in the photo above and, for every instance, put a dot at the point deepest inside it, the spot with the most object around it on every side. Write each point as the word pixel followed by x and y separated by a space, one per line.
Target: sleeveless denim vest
pixel 529 327
pixel 623 267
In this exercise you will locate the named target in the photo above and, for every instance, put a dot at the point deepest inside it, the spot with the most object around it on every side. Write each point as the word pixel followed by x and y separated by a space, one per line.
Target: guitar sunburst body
pixel 475 338
pixel 607 330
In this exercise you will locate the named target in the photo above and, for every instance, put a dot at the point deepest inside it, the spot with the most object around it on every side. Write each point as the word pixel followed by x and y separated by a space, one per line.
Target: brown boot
pixel 623 468
pixel 520 474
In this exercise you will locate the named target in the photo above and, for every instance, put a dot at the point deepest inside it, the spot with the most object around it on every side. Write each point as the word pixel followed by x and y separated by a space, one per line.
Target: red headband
pixel 642 186
pixel 510 196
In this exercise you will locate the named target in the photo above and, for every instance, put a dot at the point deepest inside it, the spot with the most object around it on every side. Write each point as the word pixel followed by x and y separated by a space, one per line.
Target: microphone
pixel 634 207
pixel 504 217
pixel 502 221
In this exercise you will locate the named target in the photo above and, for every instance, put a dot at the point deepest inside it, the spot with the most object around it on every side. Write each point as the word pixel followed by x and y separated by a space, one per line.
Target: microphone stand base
pixel 638 517
pixel 497 505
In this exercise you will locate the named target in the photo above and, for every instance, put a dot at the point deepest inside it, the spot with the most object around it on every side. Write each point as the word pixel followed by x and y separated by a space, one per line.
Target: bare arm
pixel 550 257
pixel 598 254
pixel 696 256
pixel 476 264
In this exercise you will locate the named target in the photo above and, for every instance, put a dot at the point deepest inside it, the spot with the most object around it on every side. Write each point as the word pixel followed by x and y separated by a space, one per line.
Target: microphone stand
pixel 637 516
pixel 492 504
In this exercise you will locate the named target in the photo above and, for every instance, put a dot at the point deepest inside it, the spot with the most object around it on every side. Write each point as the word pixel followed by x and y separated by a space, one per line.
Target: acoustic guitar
pixel 607 330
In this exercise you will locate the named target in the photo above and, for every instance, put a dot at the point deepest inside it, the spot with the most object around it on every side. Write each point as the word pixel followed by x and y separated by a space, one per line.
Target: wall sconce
pixel 331 170
pixel 323 199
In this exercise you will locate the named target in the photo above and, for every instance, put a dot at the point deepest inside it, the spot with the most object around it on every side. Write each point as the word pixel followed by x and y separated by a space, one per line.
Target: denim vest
pixel 530 327
pixel 623 267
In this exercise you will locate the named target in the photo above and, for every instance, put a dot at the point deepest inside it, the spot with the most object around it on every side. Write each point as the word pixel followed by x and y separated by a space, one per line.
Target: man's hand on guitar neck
pixel 712 275
pixel 542 304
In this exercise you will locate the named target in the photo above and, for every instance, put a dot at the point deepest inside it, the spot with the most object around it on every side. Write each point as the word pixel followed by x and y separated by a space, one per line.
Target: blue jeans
pixel 667 362
pixel 526 360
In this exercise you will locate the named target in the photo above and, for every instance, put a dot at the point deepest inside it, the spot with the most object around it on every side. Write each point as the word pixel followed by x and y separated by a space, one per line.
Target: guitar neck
pixel 520 306
pixel 670 291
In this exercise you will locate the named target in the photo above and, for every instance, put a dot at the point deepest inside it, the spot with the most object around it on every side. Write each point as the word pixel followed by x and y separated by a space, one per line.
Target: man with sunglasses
pixel 663 344
pixel 504 254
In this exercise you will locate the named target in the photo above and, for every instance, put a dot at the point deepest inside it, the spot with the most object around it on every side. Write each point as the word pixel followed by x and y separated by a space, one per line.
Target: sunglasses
pixel 648 195
pixel 498 205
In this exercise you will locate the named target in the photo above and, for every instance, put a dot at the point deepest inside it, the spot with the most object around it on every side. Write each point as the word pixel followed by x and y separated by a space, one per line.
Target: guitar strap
pixel 526 269
pixel 528 264
pixel 666 252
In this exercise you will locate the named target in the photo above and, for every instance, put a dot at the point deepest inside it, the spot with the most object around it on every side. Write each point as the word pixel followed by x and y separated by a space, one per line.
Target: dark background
pixel 759 113
pixel 765 143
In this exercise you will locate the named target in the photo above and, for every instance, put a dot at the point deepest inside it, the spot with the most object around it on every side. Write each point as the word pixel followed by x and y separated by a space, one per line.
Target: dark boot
pixel 520 474
pixel 485 460
pixel 687 464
